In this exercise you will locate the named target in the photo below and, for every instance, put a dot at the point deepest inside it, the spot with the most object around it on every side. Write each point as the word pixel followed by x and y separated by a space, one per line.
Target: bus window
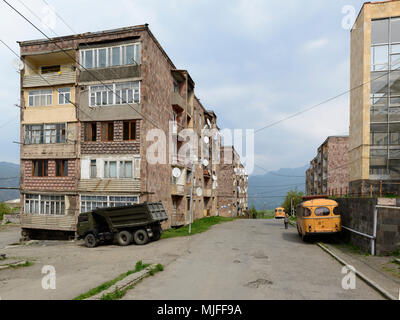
pixel 336 211
pixel 307 212
pixel 322 211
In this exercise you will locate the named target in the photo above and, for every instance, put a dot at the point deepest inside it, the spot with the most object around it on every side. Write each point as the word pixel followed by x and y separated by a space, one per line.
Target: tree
pixel 297 197
pixel 4 209
pixel 253 212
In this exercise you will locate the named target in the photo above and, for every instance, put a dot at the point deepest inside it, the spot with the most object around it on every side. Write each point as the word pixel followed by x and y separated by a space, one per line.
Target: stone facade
pixel 166 99
pixel 329 170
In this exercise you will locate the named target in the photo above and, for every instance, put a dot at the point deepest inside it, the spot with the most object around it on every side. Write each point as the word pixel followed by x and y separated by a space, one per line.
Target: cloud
pixel 315 44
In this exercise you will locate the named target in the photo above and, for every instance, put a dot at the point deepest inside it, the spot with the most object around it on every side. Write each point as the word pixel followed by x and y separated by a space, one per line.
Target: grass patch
pixel 351 248
pixel 393 268
pixel 198 226
pixel 118 294
pixel 26 264
pixel 139 267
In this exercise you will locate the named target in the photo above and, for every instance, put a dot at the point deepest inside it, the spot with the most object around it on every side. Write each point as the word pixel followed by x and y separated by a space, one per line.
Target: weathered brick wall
pixel 51 182
pixel 118 146
pixel 156 89
pixel 338 165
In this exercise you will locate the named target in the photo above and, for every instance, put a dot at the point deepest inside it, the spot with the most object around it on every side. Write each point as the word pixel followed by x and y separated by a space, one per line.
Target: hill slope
pixel 272 187
pixel 9 177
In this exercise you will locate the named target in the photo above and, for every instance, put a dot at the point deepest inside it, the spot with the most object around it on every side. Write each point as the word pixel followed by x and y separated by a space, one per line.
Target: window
pixel 64 95
pixel 129 130
pixel 40 98
pixel 50 69
pixel 176 87
pixel 54 133
pixel 90 131
pixel 322 211
pixel 125 169
pixel 110 169
pixel 61 168
pixel 379 58
pixel 33 134
pixel 306 212
pixel 127 92
pixel 189 177
pixel 93 169
pixel 48 133
pixel 39 168
pixel 89 203
pixel 44 204
pixel 114 94
pixel 107 131
pixel 111 56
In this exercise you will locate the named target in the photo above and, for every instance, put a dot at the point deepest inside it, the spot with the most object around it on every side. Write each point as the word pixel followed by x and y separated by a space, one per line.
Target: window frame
pixel 40 93
pixel 44 168
pixel 109 200
pixel 42 203
pixel 63 163
pixel 106 126
pixel 63 95
pixel 96 94
pixel 130 131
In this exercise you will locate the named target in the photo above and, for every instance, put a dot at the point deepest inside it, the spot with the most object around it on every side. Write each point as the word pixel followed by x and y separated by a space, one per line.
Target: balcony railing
pixel 49 79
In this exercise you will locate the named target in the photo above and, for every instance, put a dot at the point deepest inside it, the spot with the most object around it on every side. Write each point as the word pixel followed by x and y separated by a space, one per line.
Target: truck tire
pixel 124 238
pixel 157 232
pixel 141 237
pixel 90 240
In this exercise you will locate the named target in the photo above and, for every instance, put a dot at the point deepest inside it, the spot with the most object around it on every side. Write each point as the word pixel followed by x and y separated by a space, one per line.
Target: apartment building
pixel 329 170
pixel 89 106
pixel 374 101
pixel 233 184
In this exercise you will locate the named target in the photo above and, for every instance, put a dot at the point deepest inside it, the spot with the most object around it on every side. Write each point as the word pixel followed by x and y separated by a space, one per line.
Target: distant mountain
pixel 9 177
pixel 271 188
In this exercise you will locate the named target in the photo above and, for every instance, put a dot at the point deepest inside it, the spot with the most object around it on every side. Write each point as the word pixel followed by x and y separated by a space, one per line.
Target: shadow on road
pixel 291 236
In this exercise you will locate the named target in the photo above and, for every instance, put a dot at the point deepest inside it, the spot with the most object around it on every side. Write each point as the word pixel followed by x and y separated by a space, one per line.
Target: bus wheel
pixel 124 238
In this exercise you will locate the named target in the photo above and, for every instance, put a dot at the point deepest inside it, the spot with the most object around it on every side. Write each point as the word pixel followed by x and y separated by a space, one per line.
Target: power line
pixel 78 63
pixel 324 102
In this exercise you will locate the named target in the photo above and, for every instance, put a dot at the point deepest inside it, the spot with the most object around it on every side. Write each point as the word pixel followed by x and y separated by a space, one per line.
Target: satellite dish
pixel 199 192
pixel 176 172
pixel 206 140
pixel 205 162
pixel 215 137
pixel 209 122
pixel 18 64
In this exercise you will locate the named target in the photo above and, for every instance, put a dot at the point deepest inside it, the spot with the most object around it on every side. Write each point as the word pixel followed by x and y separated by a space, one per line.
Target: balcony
pixel 207 193
pixel 49 222
pixel 49 79
pixel 177 190
pixel 177 101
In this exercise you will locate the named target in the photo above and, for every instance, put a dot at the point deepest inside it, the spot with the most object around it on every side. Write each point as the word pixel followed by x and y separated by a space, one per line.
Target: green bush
pixel 4 209
pixel 297 197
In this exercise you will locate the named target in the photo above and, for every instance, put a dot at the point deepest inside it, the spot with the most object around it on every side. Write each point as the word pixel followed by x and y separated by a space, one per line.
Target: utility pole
pixel 191 199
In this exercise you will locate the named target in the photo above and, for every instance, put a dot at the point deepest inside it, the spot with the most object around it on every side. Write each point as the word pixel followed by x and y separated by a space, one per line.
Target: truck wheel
pixel 141 237
pixel 124 238
pixel 157 232
pixel 90 240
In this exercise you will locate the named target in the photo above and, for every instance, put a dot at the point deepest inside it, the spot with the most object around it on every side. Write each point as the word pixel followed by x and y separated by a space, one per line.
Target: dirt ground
pixel 78 269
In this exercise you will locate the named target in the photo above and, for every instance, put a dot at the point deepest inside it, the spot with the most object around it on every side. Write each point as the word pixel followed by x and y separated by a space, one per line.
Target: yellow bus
pixel 280 213
pixel 317 216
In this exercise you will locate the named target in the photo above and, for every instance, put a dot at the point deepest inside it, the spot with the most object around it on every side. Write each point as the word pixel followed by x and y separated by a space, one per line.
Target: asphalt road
pixel 250 259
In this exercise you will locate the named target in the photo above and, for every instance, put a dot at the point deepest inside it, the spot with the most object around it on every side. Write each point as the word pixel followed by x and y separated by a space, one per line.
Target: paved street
pixel 245 259
pixel 250 259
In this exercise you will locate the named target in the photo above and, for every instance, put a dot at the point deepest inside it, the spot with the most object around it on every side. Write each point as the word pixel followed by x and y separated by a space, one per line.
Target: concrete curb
pixel 368 281
pixel 124 283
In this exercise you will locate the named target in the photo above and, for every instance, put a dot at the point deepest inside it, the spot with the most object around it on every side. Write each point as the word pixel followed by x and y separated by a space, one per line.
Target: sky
pixel 254 62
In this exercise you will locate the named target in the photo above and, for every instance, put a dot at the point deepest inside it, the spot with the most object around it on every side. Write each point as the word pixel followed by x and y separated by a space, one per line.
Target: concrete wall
pixel 388 234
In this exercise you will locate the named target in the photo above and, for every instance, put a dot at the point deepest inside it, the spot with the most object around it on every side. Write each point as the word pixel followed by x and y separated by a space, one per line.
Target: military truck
pixel 139 223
